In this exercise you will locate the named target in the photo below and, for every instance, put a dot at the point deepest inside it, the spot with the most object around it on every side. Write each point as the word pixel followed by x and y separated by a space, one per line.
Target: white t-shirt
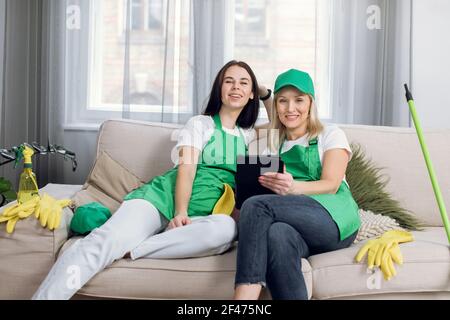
pixel 332 137
pixel 199 129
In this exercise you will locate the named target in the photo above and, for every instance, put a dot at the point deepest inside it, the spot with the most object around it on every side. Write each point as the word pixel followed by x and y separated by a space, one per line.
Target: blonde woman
pixel 312 210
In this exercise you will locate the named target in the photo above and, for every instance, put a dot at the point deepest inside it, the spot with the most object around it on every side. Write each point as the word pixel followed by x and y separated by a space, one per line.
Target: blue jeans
pixel 275 232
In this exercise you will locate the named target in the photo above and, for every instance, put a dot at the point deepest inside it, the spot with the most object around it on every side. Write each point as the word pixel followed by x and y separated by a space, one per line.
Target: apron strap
pixel 281 147
pixel 217 121
pixel 243 139
pixel 312 142
pixel 218 124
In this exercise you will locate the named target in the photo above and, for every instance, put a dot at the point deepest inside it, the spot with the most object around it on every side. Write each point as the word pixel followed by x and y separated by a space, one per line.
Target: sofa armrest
pixel 27 255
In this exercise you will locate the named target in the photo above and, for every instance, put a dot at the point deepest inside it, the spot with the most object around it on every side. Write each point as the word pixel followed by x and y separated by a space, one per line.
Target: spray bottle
pixel 28 187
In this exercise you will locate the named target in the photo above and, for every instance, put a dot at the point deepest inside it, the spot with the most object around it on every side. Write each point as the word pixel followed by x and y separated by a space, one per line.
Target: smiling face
pixel 293 109
pixel 236 88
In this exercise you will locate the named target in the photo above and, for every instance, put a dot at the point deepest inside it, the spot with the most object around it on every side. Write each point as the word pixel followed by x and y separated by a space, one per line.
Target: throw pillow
pixel 108 183
pixel 367 185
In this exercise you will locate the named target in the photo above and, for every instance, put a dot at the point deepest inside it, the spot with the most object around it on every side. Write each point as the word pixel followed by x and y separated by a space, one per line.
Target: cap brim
pixel 289 84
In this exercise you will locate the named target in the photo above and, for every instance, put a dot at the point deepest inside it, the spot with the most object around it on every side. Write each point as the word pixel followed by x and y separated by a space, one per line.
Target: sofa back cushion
pixel 397 150
pixel 146 149
pixel 107 183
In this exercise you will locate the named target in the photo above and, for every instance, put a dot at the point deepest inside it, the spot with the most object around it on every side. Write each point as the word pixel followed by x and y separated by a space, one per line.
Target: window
pixel 250 22
pixel 274 36
pixel 137 15
pixel 156 72
pixel 146 69
pixel 154 14
pixel 146 14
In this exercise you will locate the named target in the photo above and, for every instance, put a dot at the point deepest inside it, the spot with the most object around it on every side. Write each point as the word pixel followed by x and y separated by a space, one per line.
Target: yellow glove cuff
pixel 226 202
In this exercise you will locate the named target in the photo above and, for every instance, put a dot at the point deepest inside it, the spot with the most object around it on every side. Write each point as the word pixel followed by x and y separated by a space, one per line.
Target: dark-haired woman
pixel 179 202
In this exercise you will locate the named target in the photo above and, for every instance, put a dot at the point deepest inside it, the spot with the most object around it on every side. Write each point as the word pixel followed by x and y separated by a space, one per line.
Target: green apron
pixel 304 165
pixel 217 165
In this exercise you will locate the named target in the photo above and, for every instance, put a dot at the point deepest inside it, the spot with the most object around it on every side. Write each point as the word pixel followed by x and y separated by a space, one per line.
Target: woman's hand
pixel 280 183
pixel 179 221
pixel 235 214
pixel 262 90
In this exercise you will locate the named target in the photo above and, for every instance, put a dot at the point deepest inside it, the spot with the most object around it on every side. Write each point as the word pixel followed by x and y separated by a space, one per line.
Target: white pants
pixel 134 228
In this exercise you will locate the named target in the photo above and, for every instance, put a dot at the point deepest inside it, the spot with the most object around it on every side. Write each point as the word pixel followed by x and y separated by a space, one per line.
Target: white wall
pixel 431 62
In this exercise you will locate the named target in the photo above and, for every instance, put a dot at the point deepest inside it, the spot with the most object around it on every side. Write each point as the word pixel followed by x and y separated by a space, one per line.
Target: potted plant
pixel 7 194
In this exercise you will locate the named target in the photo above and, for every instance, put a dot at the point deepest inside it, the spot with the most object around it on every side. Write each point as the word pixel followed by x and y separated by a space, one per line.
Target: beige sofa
pixel 27 255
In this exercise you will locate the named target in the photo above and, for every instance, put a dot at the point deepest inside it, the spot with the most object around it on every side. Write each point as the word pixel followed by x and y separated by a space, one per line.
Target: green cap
pixel 88 217
pixel 296 78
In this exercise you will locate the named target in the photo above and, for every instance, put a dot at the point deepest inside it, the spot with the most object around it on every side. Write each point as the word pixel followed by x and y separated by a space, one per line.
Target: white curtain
pixel 32 81
pixel 55 63
pixel 170 72
pixel 211 45
pixel 2 57
pixel 51 77
pixel 169 68
pixel 371 63
pixel 19 66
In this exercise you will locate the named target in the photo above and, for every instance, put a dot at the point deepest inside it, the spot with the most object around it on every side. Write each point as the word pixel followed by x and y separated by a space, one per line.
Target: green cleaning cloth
pixel 88 217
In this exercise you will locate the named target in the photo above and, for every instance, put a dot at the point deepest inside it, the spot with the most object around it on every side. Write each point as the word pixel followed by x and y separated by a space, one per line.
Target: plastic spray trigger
pixel 19 154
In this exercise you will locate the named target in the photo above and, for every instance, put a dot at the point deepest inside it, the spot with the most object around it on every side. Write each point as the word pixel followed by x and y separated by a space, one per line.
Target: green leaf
pixel 5 185
pixel 10 195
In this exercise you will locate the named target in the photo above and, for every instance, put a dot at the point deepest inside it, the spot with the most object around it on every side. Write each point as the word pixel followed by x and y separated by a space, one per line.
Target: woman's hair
pixel 314 126
pixel 249 114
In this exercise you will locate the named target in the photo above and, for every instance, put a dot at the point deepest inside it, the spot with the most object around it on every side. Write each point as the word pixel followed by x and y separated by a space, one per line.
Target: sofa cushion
pixel 209 277
pixel 367 184
pixel 426 267
pixel 144 148
pixel 28 253
pixel 397 151
pixel 108 183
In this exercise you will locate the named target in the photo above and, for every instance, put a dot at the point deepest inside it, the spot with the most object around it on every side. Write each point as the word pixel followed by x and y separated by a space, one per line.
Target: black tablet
pixel 249 168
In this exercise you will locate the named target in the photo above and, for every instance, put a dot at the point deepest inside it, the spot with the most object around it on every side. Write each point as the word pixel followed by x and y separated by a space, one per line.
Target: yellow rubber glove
pixel 18 211
pixel 225 204
pixel 49 211
pixel 384 251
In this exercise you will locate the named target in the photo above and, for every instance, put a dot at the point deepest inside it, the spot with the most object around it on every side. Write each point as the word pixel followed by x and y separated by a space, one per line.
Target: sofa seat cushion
pixel 209 277
pixel 28 253
pixel 426 268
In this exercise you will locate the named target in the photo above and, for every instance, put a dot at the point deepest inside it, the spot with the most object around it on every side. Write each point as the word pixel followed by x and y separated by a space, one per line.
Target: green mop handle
pixel 436 189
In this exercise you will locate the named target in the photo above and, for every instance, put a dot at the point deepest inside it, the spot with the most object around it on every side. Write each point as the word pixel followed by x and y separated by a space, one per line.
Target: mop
pixel 426 155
